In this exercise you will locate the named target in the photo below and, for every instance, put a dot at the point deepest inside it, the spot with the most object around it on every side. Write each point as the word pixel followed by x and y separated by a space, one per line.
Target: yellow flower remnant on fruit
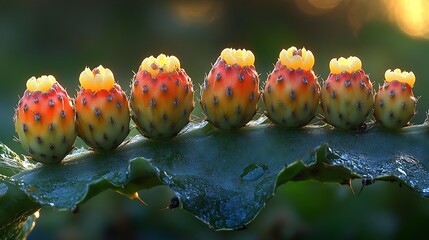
pixel 297 58
pixel 161 63
pixel 43 83
pixel 98 79
pixel 350 64
pixel 403 77
pixel 241 57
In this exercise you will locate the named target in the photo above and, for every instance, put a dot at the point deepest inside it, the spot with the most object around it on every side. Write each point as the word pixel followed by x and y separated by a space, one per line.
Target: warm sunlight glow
pixel 411 16
pixel 203 12
pixel 317 7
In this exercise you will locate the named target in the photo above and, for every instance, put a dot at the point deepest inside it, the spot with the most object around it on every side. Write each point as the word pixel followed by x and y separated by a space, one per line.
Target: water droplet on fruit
pixel 253 172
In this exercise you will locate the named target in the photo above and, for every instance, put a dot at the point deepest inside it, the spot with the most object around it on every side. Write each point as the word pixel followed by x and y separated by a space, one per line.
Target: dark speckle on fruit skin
pixel 240 77
pixel 215 101
pixel 97 112
pixel 292 95
pixel 218 76
pixel 164 88
pixel 229 92
pixel 153 102
pixel 252 96
pixel 145 89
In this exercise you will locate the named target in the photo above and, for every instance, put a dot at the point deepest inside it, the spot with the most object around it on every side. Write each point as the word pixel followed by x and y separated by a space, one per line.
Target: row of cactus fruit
pixel 48 121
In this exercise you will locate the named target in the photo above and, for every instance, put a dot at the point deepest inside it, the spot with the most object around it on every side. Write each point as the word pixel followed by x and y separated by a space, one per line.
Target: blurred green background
pixel 62 38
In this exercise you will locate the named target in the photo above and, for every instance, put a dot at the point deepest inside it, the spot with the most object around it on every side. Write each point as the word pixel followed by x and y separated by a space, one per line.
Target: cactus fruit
pixel 162 97
pixel 45 120
pixel 291 94
pixel 347 94
pixel 102 113
pixel 230 93
pixel 395 103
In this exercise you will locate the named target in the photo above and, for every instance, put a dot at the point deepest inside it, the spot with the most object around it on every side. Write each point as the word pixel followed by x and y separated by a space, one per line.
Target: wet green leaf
pixel 11 163
pixel 225 178
pixel 19 229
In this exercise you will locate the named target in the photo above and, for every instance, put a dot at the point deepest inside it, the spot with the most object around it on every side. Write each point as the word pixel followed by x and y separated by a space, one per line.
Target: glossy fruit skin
pixel 395 105
pixel 102 117
pixel 45 124
pixel 291 96
pixel 161 105
pixel 230 94
pixel 347 99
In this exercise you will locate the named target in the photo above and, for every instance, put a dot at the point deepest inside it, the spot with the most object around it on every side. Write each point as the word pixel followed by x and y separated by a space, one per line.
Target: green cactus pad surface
pixel 225 178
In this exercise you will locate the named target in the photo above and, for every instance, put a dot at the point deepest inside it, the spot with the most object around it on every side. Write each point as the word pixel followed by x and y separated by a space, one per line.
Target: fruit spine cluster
pixel 48 121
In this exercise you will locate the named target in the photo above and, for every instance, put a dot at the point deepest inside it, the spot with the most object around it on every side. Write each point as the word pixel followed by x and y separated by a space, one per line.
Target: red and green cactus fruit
pixel 45 120
pixel 395 103
pixel 230 93
pixel 347 95
pixel 162 97
pixel 102 113
pixel 291 94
